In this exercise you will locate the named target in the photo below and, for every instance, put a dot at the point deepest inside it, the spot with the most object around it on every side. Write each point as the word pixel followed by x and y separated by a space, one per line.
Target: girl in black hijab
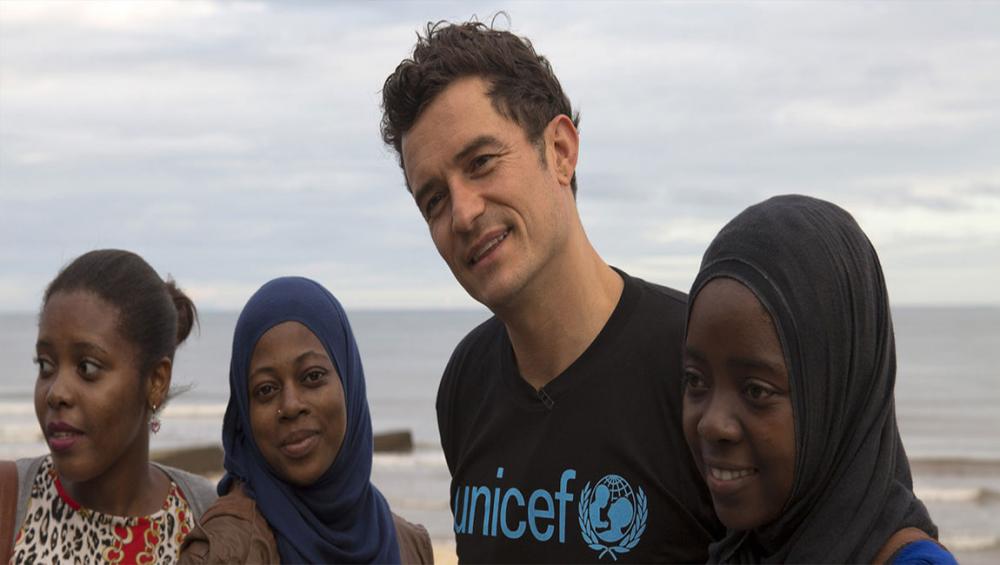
pixel 788 406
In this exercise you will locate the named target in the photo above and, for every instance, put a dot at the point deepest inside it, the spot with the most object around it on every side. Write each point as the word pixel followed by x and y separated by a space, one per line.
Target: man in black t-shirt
pixel 560 416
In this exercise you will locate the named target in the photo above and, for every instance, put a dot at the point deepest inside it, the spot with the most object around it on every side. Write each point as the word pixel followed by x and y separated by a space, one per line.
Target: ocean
pixel 947 399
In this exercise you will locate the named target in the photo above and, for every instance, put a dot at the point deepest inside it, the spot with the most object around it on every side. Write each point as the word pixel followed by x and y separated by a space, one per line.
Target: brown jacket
pixel 233 531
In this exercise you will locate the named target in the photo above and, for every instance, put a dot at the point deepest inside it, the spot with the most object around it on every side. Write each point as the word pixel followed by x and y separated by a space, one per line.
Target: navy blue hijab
pixel 342 517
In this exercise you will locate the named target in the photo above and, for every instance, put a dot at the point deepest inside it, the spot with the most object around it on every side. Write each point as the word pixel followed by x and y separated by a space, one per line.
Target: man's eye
pixel 432 203
pixel 480 162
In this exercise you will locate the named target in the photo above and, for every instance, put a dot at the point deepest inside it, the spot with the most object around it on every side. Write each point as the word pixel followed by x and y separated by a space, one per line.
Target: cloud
pixel 232 142
pixel 107 16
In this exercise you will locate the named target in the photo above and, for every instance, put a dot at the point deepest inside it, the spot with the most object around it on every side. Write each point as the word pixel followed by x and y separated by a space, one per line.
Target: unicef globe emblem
pixel 612 516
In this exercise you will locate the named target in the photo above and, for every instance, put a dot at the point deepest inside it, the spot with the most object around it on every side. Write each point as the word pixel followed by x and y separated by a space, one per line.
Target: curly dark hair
pixel 522 88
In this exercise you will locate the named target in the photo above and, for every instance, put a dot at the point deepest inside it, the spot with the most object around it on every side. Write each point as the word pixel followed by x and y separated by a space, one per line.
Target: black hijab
pixel 817 274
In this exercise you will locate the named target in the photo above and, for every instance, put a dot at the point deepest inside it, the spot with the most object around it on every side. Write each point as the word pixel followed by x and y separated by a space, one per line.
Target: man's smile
pixel 486 245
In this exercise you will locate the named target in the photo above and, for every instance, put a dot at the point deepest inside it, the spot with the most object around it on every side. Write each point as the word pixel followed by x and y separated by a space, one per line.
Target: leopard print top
pixel 57 529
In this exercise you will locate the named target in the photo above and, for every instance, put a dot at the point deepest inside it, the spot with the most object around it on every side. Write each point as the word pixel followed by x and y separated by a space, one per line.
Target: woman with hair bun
pixel 107 333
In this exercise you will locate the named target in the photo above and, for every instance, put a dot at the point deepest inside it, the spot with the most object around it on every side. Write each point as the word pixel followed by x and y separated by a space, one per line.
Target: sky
pixel 232 142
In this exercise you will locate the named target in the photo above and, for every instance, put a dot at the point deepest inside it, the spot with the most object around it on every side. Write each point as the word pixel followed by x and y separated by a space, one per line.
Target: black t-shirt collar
pixel 577 373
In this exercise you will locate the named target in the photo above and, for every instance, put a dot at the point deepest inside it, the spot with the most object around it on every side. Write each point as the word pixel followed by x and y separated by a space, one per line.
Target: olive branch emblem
pixel 628 542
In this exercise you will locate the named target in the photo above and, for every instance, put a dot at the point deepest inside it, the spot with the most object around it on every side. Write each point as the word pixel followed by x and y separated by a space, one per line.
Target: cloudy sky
pixel 229 143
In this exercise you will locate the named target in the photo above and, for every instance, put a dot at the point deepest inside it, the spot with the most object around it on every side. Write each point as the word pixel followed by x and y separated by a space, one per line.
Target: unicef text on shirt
pixel 509 513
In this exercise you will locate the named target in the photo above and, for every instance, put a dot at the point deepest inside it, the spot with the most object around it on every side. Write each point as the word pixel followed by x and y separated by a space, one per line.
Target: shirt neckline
pixel 128 520
pixel 546 398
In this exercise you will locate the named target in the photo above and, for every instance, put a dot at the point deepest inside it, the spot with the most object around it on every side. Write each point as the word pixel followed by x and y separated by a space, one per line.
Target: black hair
pixel 522 86
pixel 153 314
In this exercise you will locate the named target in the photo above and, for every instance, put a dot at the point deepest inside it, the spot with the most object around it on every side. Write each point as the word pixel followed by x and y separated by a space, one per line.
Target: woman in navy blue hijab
pixel 298 441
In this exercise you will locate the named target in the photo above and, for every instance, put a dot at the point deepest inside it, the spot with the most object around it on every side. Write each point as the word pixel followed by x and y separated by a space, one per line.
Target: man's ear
pixel 563 146
pixel 159 383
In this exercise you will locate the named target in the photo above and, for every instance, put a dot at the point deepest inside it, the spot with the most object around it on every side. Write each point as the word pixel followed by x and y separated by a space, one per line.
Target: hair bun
pixel 187 314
